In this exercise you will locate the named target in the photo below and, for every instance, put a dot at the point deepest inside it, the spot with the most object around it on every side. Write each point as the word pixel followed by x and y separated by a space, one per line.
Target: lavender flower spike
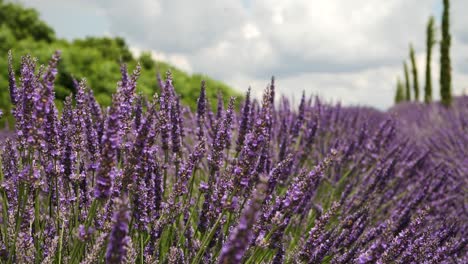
pixel 244 122
pixel 110 143
pixel 12 80
pixel 201 109
pixel 234 248
pixel 119 239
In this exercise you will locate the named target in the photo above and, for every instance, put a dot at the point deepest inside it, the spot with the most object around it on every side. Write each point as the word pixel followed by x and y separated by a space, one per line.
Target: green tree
pixel 115 49
pixel 415 74
pixel 445 64
pixel 146 60
pixel 407 83
pixel 430 41
pixel 399 95
pixel 24 22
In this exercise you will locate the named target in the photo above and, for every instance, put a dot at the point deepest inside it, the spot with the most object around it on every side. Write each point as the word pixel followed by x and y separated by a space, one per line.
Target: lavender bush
pixel 149 181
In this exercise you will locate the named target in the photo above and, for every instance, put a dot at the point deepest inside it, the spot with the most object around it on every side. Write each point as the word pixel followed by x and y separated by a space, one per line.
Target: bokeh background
pixel 348 51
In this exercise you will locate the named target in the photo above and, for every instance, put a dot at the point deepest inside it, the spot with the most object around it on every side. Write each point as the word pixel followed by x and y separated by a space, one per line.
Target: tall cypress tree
pixel 399 95
pixel 445 67
pixel 430 41
pixel 415 74
pixel 407 83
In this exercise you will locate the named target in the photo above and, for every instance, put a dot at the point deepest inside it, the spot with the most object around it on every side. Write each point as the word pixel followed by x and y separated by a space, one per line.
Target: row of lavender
pixel 149 181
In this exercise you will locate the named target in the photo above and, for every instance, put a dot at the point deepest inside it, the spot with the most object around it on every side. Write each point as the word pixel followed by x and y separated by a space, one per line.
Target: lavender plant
pixel 149 181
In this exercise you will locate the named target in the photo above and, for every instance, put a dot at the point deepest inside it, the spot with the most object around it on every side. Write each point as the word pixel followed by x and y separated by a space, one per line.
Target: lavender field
pixel 146 180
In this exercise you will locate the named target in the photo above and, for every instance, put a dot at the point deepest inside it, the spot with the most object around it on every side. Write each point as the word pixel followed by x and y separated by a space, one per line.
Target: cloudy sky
pixel 344 50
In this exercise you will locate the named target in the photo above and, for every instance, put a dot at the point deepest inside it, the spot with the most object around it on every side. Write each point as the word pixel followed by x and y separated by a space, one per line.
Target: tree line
pixel 403 89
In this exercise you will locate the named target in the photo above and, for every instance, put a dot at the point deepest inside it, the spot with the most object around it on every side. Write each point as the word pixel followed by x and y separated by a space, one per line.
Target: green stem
pixel 207 240
pixel 78 246
pixel 60 244
pixel 192 183
pixel 142 258
pixel 263 256
pixel 37 229
pixel 243 204
pixel 18 218
pixel 252 258
pixel 5 216
pixel 228 223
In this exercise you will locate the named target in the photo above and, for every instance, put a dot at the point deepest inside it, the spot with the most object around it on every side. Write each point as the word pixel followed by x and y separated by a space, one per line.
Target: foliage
pixel 150 181
pixel 24 23
pixel 415 74
pixel 445 62
pixel 430 41
pixel 399 95
pixel 407 83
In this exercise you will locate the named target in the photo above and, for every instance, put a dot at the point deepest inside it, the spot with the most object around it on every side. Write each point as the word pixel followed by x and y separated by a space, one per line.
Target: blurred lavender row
pixel 146 180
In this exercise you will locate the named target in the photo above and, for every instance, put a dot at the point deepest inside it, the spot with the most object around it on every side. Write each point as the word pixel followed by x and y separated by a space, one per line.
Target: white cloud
pixel 251 31
pixel 277 17
pixel 178 60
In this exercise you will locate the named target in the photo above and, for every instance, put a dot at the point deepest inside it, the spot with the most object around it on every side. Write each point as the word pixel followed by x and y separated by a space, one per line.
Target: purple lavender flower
pixel 366 186
pixel 119 236
pixel 110 143
pixel 187 169
pixel 24 109
pixel 221 140
pixel 138 110
pixel 176 133
pixel 244 122
pixel 91 135
pixel 96 114
pixel 300 118
pixel 234 248
pixel 66 134
pixel 164 112
pixel 201 110
pixel 315 234
pixel 12 80
pixel 254 142
pixel 402 239
pixel 10 173
pixel 125 96
pixel 220 106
